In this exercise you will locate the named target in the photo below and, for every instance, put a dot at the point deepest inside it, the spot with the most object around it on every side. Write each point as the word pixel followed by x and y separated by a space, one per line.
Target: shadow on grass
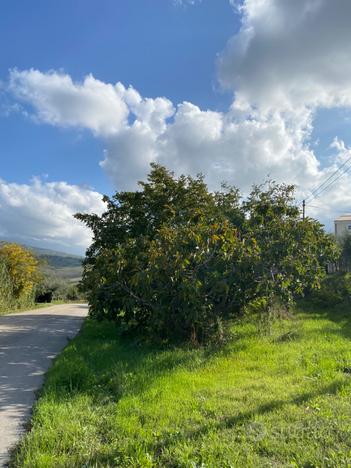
pixel 105 366
pixel 230 422
pixel 339 314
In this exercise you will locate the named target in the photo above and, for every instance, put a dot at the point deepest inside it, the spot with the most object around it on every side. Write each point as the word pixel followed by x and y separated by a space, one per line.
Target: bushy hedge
pixel 19 275
pixel 334 289
pixel 175 261
pixel 6 292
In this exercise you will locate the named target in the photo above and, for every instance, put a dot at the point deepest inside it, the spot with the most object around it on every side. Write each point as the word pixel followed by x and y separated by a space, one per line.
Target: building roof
pixel 346 217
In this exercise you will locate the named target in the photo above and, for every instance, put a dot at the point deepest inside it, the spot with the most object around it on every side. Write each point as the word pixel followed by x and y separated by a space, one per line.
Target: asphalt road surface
pixel 28 343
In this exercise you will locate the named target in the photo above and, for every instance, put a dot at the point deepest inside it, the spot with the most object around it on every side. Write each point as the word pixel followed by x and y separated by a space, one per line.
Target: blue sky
pixel 92 92
pixel 160 48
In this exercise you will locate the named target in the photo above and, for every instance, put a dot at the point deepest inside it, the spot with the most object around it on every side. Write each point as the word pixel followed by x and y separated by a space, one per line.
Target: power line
pixel 327 180
pixel 318 194
pixel 332 182
pixel 314 206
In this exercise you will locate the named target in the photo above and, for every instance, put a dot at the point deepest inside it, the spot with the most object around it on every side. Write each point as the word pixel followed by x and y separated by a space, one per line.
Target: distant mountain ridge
pixel 64 265
pixel 40 251
pixel 58 261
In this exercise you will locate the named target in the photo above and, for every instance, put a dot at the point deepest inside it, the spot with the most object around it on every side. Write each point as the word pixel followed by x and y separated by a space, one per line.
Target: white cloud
pixel 242 146
pixel 289 59
pixel 289 54
pixel 335 198
pixel 42 213
pixel 57 100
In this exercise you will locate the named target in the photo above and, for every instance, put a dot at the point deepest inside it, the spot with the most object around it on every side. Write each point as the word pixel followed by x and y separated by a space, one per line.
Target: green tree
pixel 175 261
pixel 293 252
pixel 6 290
pixel 345 257
pixel 22 267
pixel 183 283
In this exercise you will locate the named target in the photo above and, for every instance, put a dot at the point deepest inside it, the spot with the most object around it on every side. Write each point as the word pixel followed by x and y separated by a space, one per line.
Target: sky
pixel 240 90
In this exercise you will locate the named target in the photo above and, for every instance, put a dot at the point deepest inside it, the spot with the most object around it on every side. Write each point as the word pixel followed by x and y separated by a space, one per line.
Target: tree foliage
pixel 176 261
pixel 18 275
pixel 53 288
pixel 344 263
pixel 22 267
pixel 293 252
pixel 6 292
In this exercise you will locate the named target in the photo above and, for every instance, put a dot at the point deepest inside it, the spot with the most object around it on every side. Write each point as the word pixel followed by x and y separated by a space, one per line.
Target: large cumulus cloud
pixel 289 54
pixel 238 146
pixel 289 59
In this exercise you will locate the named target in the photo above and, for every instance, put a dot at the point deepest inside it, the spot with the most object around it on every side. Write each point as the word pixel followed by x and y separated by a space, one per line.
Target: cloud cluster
pixel 289 59
pixel 42 214
pixel 92 104
pixel 238 147
pixel 290 54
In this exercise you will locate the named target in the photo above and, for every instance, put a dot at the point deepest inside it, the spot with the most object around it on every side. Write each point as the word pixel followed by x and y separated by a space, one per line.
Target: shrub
pixel 22 267
pixel 176 262
pixel 6 292
pixel 335 289
pixel 52 288
pixel 49 288
pixel 19 275
pixel 182 284
pixel 73 293
pixel 344 263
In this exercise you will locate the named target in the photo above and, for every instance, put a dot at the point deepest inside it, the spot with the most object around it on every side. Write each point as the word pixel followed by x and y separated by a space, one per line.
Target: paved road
pixel 28 343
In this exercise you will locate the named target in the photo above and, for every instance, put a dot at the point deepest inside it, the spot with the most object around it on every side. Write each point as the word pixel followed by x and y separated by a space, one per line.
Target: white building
pixel 342 225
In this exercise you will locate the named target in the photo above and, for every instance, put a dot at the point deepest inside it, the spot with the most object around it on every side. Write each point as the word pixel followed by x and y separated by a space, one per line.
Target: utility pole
pixel 303 209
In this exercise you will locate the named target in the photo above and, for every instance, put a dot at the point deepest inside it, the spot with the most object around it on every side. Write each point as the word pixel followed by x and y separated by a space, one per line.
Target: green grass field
pixel 277 400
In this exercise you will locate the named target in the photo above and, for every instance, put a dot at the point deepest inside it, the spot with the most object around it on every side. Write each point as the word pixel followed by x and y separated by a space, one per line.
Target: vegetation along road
pixel 28 343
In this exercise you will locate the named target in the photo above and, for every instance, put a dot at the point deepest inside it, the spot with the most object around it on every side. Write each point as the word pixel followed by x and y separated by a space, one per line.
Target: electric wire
pixel 317 189
pixel 322 190
pixel 317 192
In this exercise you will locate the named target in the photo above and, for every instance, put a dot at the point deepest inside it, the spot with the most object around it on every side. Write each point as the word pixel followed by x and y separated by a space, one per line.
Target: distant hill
pixel 41 251
pixel 57 261
pixel 62 264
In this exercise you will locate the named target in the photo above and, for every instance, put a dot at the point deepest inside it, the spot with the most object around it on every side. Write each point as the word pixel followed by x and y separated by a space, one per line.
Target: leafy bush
pixel 73 293
pixel 344 263
pixel 175 261
pixel 293 252
pixel 6 292
pixel 334 289
pixel 183 283
pixel 19 275
pixel 52 288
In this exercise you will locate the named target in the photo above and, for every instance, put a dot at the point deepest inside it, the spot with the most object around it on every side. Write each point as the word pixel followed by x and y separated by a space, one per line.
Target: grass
pixel 33 307
pixel 261 401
